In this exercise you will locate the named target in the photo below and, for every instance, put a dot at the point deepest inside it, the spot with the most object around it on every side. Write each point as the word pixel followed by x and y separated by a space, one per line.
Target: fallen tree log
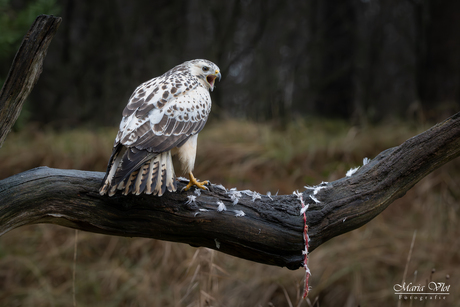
pixel 266 229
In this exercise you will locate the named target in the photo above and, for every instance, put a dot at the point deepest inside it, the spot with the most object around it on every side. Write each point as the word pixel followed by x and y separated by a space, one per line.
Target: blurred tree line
pixel 360 60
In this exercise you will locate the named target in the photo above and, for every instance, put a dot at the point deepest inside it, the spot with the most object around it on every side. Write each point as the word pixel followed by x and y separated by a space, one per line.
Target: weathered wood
pixel 270 232
pixel 25 71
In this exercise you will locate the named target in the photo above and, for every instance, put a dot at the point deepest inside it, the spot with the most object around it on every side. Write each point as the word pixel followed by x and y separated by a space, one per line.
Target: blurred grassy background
pixel 358 268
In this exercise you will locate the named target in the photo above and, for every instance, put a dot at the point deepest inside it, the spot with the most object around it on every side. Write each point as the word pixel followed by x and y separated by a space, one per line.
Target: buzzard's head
pixel 206 71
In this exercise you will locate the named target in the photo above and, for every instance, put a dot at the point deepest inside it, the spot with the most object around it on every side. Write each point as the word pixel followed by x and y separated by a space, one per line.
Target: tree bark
pixel 25 70
pixel 271 230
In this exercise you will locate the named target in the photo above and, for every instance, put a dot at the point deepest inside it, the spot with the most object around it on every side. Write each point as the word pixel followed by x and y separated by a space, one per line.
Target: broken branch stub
pixel 25 70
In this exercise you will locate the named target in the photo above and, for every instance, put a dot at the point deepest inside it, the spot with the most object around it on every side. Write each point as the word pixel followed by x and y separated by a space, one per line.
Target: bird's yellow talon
pixel 194 182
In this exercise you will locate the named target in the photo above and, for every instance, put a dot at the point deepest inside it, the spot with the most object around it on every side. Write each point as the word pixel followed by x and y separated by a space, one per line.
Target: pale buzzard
pixel 162 118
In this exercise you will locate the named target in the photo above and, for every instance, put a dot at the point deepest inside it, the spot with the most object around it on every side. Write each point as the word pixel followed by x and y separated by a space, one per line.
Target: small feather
pixel 314 199
pixel 221 206
pixel 269 195
pixel 183 179
pixel 235 195
pixel 304 209
pixel 191 199
pixel 239 213
pixel 352 171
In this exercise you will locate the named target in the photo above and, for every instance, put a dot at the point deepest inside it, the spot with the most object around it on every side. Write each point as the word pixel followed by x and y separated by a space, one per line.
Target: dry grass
pixel 358 268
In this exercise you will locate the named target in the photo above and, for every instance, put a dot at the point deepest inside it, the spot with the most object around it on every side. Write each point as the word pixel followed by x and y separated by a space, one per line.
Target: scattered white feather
pixel 239 213
pixel 197 192
pixel 296 193
pixel 317 189
pixel 248 192
pixel 344 220
pixel 315 199
pixel 304 209
pixel 219 186
pixel 201 210
pixel 182 179
pixel 255 195
pixel 217 243
pixel 300 198
pixel 366 161
pixel 196 213
pixel 234 199
pixel 221 206
pixel 235 195
pixel 352 171
pixel 269 195
pixel 191 199
pixel 305 251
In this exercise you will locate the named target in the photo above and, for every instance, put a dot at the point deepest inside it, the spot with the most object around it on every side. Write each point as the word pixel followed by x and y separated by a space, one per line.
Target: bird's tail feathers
pixel 113 169
pixel 154 176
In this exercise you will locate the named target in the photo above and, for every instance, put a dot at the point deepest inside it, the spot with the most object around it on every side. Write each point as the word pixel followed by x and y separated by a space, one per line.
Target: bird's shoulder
pixel 157 92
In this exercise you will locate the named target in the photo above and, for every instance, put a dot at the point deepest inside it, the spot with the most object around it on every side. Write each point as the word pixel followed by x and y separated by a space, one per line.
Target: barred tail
pixel 148 173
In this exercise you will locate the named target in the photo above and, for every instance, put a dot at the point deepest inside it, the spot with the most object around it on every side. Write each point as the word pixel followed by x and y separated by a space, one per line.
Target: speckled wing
pixel 164 112
pixel 161 114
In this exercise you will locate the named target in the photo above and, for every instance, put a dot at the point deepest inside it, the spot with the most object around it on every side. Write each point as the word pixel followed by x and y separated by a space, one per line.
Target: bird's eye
pixel 205 68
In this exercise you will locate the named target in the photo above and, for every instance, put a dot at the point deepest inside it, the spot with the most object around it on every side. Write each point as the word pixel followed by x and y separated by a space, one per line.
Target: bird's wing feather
pixel 164 112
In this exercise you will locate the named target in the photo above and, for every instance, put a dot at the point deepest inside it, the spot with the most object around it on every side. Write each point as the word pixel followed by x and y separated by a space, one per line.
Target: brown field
pixel 359 268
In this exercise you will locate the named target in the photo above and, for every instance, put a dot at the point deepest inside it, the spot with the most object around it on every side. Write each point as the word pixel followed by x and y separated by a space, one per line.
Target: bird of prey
pixel 163 117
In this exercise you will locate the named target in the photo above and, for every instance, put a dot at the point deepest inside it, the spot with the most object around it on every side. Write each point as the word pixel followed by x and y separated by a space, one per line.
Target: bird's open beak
pixel 212 78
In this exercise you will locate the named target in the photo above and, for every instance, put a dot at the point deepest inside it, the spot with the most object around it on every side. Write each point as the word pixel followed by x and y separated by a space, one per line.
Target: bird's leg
pixel 193 182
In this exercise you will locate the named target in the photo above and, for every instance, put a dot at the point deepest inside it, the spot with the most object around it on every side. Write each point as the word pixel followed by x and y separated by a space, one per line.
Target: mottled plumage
pixel 164 114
